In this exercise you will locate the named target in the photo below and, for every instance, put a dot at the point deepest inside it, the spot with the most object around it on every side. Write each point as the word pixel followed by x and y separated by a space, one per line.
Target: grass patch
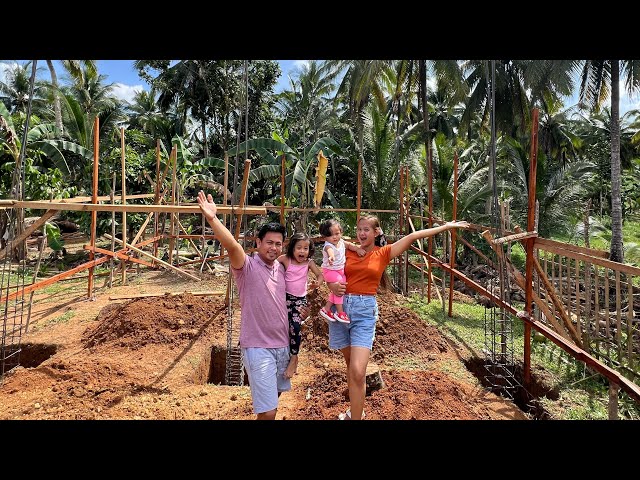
pixel 64 318
pixel 583 394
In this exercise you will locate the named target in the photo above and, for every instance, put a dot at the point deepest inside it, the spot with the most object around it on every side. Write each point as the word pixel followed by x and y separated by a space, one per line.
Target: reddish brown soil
pixel 150 358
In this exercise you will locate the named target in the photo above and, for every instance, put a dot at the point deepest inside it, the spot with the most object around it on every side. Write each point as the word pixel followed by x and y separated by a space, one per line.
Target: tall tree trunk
pixel 616 254
pixel 56 96
pixel 204 137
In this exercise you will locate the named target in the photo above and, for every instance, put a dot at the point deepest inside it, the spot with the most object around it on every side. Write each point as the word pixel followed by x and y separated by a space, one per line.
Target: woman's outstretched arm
pixel 405 242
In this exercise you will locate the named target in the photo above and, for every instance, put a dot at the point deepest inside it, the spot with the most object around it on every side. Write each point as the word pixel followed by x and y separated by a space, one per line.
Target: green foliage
pixel 54 240
pixel 583 394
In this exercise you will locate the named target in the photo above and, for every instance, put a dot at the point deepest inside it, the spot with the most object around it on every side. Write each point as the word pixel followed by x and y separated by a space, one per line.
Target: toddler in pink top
pixel 297 262
pixel 333 262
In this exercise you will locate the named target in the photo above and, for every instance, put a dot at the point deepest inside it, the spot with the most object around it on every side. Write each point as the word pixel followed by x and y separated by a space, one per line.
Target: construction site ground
pixel 164 358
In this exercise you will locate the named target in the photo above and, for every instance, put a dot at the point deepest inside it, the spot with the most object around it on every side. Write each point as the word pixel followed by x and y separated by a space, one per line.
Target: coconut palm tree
pixel 14 90
pixel 598 78
pixel 70 66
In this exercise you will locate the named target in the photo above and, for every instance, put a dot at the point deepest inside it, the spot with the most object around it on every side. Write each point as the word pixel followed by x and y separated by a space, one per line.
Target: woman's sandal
pixel 347 415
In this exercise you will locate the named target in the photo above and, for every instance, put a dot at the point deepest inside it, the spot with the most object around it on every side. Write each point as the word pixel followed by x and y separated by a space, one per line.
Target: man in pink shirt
pixel 264 328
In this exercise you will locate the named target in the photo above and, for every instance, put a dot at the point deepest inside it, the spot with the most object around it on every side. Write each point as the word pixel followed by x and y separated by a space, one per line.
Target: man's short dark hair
pixel 272 227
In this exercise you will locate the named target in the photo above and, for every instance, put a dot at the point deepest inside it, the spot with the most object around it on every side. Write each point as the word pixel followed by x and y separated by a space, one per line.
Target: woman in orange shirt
pixel 363 274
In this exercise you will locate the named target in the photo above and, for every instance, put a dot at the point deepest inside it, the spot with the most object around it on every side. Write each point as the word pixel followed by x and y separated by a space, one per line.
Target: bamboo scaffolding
pixel 119 254
pixel 25 233
pixel 161 262
pixel 48 281
pixel 520 280
pixel 156 198
pixel 123 265
pixel 452 260
pixel 567 345
pixel 94 200
pixel 166 294
pixel 129 208
pixel 529 243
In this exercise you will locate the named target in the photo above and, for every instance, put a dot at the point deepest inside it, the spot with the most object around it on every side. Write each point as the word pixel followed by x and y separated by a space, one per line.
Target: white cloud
pixel 126 92
pixel 300 63
pixel 5 67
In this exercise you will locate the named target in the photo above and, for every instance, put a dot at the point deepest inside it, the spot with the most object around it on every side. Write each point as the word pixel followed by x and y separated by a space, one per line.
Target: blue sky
pixel 125 77
pixel 126 80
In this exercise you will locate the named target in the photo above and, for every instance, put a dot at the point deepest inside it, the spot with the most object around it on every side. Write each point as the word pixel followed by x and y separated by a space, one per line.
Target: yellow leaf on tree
pixel 321 178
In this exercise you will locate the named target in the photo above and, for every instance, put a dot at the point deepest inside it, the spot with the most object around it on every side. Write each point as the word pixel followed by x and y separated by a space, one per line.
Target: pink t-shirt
pixel 296 279
pixel 264 321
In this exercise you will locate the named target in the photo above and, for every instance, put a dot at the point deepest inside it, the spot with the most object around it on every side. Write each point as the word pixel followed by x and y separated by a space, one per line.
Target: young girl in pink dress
pixel 297 262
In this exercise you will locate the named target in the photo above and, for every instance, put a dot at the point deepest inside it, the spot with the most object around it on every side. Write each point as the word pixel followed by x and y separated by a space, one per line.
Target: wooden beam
pixel 161 262
pixel 359 192
pixel 94 199
pixel 90 207
pixel 520 280
pixel 37 224
pixel 101 198
pixel 542 242
pixel 282 188
pixel 54 279
pixel 181 227
pixel 515 237
pixel 124 202
pixel 243 195
pixel 578 353
pixel 119 254
pixel 452 260
pixel 621 267
pixel 166 294
pixel 531 213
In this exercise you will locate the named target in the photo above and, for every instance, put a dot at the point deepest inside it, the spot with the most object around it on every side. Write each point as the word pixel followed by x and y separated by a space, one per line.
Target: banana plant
pixel 299 176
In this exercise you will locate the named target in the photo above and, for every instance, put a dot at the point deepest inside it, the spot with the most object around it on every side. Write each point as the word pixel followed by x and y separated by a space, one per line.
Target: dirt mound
pixel 163 320
pixel 408 395
pixel 399 330
pixel 143 359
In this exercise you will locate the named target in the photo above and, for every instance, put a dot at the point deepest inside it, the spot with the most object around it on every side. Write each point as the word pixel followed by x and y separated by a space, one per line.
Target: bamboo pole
pixel 166 294
pixel 113 228
pixel 422 248
pixel 618 317
pixel 531 211
pixel 520 280
pixel 34 226
pixel 243 195
pixel 156 198
pixel 405 254
pixel 551 294
pixel 225 197
pixel 401 225
pixel 607 328
pixel 50 280
pixel 452 260
pixel 630 320
pixel 119 254
pixel 193 244
pixel 359 192
pixel 161 262
pixel 124 202
pixel 141 229
pixel 174 193
pixel 430 239
pixel 578 322
pixel 94 207
pixel 94 199
pixel 282 189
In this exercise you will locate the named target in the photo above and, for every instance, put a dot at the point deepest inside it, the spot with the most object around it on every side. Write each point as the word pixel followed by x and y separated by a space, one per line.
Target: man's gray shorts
pixel 265 369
